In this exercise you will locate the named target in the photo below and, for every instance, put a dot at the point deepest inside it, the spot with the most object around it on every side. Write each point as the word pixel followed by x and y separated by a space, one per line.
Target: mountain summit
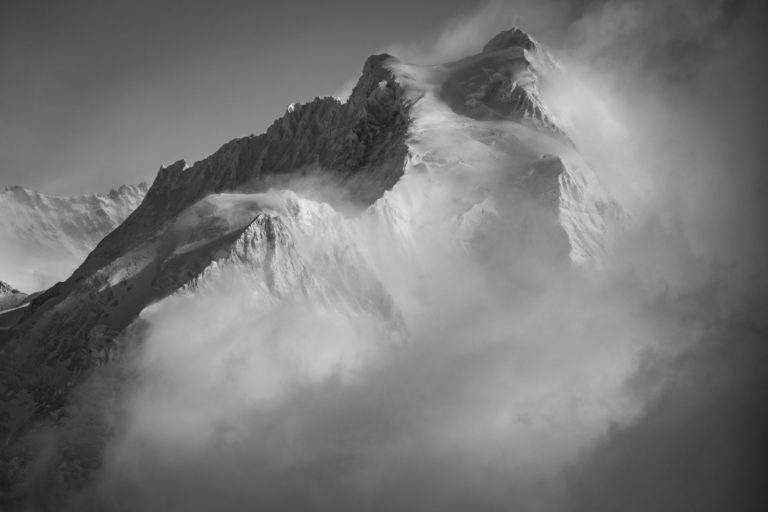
pixel 345 205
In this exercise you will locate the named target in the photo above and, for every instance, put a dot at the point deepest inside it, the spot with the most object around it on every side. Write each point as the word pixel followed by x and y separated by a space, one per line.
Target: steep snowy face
pixel 357 147
pixel 501 82
pixel 44 238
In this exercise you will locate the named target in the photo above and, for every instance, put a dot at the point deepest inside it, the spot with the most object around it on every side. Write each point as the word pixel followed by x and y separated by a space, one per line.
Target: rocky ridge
pixel 358 146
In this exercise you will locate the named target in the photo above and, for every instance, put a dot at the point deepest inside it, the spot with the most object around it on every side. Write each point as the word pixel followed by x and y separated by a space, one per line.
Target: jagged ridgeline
pixel 405 132
pixel 358 145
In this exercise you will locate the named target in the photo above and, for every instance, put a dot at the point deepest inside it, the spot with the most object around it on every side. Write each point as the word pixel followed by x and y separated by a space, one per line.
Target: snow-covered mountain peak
pixel 513 37
pixel 45 237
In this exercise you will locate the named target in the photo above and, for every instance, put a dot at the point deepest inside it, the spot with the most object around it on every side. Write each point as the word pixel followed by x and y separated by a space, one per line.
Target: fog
pixel 512 383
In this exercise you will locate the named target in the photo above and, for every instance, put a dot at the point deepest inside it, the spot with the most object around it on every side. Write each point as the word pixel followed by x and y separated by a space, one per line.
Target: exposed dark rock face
pixel 499 83
pixel 358 146
pixel 510 38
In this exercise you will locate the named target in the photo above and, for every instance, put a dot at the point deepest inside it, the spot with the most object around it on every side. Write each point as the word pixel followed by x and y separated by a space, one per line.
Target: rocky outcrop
pixel 500 83
pixel 513 37
pixel 357 146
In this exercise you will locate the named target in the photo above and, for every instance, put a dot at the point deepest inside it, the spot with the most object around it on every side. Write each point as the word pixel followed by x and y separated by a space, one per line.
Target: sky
pixel 95 94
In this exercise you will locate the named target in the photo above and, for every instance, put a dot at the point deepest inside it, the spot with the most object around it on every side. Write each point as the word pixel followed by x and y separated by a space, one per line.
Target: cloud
pixel 294 405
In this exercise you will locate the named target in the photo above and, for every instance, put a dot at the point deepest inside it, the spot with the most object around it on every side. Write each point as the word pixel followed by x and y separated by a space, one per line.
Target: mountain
pixel 359 213
pixel 45 238
pixel 10 297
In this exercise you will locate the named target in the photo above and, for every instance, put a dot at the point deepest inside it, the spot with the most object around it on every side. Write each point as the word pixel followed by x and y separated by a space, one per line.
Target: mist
pixel 494 379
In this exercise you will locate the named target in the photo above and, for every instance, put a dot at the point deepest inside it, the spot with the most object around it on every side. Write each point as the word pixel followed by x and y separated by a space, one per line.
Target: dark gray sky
pixel 94 94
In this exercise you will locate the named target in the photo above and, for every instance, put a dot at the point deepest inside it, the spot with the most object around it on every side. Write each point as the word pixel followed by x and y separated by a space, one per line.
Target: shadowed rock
pixel 499 83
